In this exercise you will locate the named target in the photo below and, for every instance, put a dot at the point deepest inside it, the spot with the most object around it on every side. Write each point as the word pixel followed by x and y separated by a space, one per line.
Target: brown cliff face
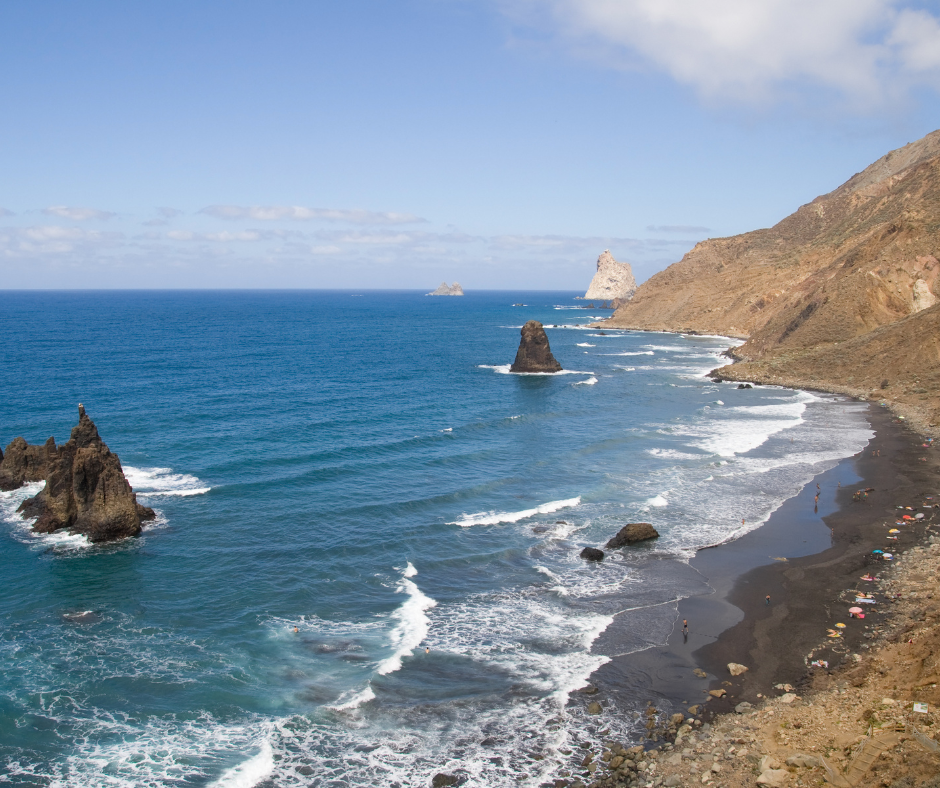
pixel 534 354
pixel 853 261
pixel 86 491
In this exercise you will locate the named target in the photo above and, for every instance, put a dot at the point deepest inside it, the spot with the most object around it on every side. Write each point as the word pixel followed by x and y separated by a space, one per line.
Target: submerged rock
pixel 632 532
pixel 22 463
pixel 86 491
pixel 592 554
pixel 534 354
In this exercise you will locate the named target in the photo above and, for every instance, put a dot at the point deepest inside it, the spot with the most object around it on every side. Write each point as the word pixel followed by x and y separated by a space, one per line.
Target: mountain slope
pixel 810 293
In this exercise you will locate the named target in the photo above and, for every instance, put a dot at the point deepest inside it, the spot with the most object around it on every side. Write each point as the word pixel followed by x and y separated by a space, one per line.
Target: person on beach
pixel 685 627
pixel 767 599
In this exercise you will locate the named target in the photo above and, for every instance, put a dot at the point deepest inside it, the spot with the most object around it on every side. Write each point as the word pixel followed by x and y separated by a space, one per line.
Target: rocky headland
pixel 445 289
pixel 613 280
pixel 839 296
pixel 86 491
pixel 534 354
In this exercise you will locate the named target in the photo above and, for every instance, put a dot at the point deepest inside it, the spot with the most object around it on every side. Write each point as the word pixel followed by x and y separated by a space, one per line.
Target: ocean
pixel 361 467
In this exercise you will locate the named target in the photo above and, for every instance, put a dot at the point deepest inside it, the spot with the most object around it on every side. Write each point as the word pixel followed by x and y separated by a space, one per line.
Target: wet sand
pixel 826 552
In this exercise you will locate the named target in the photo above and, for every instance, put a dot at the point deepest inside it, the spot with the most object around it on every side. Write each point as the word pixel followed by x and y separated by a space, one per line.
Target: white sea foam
pixel 447 429
pixel 353 699
pixel 632 353
pixel 493 518
pixel 589 382
pixel 503 369
pixel 672 454
pixel 151 482
pixel 22 527
pixel 249 773
pixel 413 622
pixel 585 344
pixel 657 500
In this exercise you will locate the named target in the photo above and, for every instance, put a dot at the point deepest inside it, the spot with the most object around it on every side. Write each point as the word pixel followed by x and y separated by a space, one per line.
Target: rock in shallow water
pixel 86 491
pixel 632 532
pixel 534 354
pixel 592 554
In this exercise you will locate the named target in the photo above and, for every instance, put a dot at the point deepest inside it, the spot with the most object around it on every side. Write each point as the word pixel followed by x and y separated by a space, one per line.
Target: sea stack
pixel 86 491
pixel 445 289
pixel 613 280
pixel 534 354
pixel 632 533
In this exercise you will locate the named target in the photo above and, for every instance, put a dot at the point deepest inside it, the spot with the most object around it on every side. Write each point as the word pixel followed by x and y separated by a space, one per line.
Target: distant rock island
pixel 534 354
pixel 839 296
pixel 86 491
pixel 613 280
pixel 445 289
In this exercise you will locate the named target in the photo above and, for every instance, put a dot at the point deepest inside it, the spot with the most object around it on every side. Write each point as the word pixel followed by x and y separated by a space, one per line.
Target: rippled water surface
pixel 363 468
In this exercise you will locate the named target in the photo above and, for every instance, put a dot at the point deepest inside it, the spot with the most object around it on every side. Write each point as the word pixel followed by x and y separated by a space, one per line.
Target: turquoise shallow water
pixel 361 467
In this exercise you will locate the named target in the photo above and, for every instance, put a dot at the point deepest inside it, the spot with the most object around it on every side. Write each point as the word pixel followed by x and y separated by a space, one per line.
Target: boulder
pixel 86 491
pixel 803 761
pixel 776 778
pixel 736 669
pixel 612 280
pixel 718 693
pixel 534 354
pixel 743 707
pixel 592 554
pixel 441 780
pixel 22 463
pixel 632 532
pixel 594 707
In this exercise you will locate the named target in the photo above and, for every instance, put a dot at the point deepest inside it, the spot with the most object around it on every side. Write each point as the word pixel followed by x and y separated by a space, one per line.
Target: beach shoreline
pixel 805 560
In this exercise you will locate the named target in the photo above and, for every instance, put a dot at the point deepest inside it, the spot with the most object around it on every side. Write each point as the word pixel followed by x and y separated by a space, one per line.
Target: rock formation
pixel 534 354
pixel 612 280
pixel 632 532
pixel 823 297
pixel 86 491
pixel 445 289
pixel 592 554
pixel 22 463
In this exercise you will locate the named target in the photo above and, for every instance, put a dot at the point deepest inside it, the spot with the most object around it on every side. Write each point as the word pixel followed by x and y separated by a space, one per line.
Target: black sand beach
pixel 805 560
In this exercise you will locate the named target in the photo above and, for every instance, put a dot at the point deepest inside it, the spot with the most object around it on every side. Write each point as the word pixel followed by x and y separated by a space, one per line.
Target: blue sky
pixel 501 143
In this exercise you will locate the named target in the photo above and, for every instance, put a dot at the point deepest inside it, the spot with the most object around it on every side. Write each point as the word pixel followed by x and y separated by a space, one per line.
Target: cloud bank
pixel 267 213
pixel 755 51
pixel 77 214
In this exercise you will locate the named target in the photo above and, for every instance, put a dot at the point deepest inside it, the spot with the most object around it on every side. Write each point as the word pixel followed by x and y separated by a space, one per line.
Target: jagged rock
pixel 592 554
pixel 803 761
pixel 594 707
pixel 776 778
pixel 445 289
pixel 612 280
pixel 441 780
pixel 736 669
pixel 632 532
pixel 745 386
pixel 22 463
pixel 534 354
pixel 86 491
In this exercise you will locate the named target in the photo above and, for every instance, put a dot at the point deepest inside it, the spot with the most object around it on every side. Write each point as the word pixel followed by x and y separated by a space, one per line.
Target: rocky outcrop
pixel 612 280
pixel 534 354
pixel 86 491
pixel 22 463
pixel 592 554
pixel 632 532
pixel 445 289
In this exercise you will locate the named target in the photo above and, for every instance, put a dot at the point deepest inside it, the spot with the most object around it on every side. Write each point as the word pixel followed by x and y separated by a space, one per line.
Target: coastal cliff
pixel 839 296
pixel 613 280
pixel 86 491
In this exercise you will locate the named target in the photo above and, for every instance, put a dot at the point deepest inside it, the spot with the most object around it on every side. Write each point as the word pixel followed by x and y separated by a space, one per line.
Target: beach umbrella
pixel 877 551
pixel 894 531
pixel 841 626
pixel 919 516
pixel 889 556
pixel 907 517
pixel 855 610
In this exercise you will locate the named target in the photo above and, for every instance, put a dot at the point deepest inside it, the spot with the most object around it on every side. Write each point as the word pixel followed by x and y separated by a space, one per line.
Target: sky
pixel 398 143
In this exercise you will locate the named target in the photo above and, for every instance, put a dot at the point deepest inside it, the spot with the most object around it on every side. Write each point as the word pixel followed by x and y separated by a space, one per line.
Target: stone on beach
pixel 736 668
pixel 631 533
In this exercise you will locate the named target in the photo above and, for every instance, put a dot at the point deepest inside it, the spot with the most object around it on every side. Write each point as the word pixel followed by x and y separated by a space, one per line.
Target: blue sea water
pixel 361 467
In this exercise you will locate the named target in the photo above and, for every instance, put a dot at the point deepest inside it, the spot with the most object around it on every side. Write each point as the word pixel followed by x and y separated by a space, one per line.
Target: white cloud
pixel 53 239
pixel 223 237
pixel 751 50
pixel 78 214
pixel 281 212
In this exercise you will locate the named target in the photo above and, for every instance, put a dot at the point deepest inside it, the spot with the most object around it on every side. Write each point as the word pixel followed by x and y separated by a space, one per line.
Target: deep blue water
pixel 360 467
